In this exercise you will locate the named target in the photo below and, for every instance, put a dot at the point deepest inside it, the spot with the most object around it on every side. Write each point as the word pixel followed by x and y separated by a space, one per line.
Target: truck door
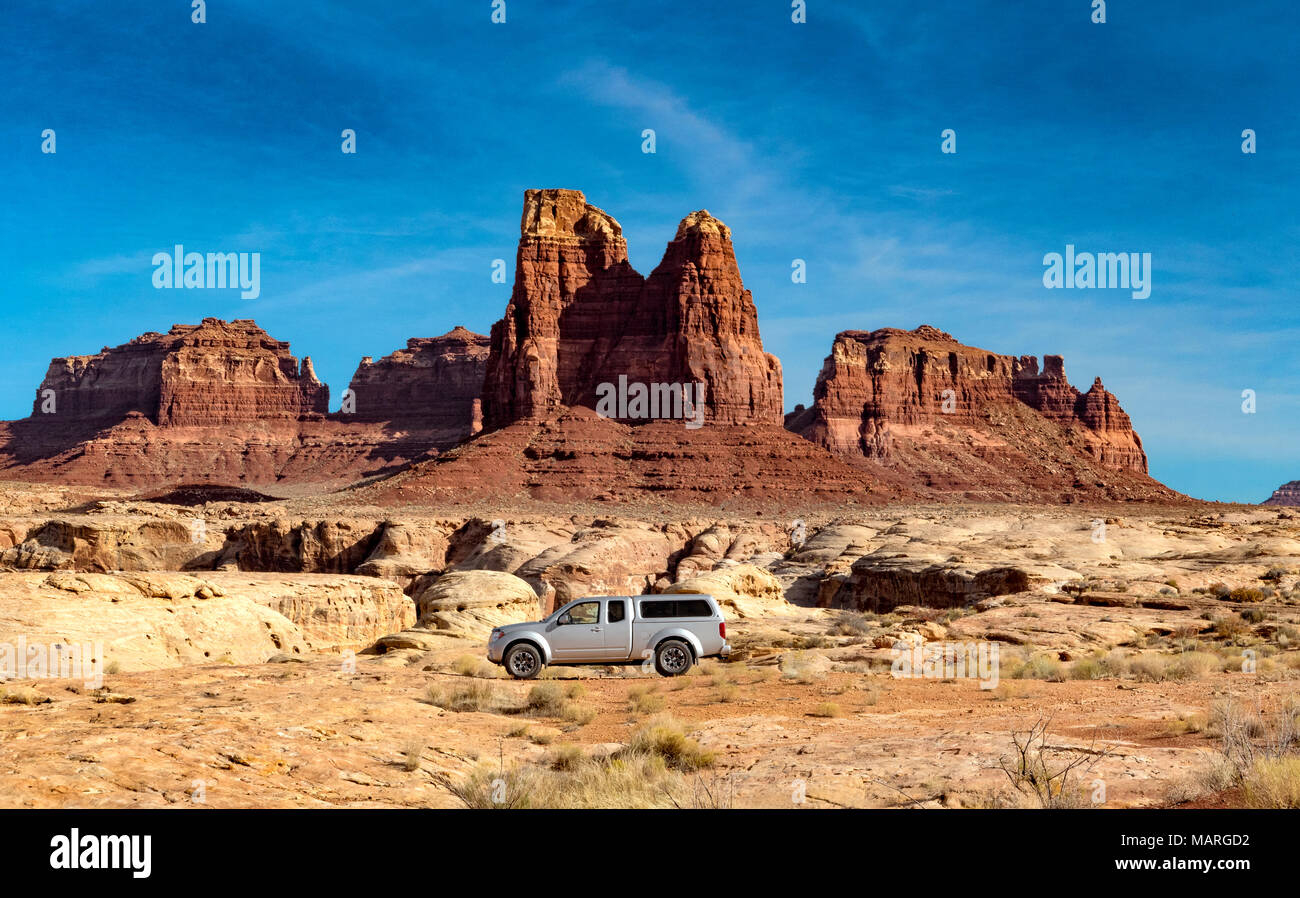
pixel 578 634
pixel 618 628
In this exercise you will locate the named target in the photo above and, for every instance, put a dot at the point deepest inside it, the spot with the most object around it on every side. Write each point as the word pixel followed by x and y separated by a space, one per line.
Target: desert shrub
pixel 468 697
pixel 1039 667
pixel 850 624
pixel 644 700
pixel 412 754
pixel 726 692
pixel 1253 615
pixel 629 780
pixel 1272 783
pixel 1149 668
pixel 546 699
pixel 827 709
pixel 1194 665
pixel 565 757
pixel 1231 627
pixel 555 700
pixel 1246 594
pixel 666 738
pixel 1045 773
pixel 1187 723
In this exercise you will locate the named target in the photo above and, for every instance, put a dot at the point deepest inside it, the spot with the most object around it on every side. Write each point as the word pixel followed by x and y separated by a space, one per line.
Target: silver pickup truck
pixel 674 630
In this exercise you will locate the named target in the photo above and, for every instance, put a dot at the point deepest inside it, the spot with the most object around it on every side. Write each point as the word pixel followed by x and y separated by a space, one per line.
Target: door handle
pixel 595 629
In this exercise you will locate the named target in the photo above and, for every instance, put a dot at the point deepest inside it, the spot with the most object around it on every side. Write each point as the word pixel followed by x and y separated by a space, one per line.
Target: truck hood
pixel 526 625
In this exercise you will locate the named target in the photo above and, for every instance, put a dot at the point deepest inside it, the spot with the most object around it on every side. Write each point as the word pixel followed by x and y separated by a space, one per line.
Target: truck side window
pixel 617 611
pixel 584 613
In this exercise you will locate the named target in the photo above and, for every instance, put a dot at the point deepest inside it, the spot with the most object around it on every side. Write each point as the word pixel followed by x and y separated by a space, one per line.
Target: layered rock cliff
pixel 581 316
pixel 433 382
pixel 961 419
pixel 212 373
pixel 223 402
pixel 1286 494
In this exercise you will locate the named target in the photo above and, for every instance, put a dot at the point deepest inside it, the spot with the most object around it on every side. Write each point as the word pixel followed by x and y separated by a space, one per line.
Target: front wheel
pixel 673 658
pixel 523 661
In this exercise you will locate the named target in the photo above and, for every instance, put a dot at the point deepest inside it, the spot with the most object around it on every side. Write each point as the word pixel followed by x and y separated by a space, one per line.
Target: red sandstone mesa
pixel 963 418
pixel 897 414
pixel 433 382
pixel 580 315
pixel 223 402
pixel 216 372
pixel 1286 494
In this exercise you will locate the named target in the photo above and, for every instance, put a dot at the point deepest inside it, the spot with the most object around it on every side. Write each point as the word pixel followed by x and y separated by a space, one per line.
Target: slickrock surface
pixel 435 382
pixel 1131 629
pixel 156 619
pixel 967 423
pixel 580 315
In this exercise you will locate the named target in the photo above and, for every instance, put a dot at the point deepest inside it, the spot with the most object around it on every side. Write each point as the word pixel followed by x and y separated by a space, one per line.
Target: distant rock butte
pixel 1286 494
pixel 223 402
pixel 216 372
pixel 437 380
pixel 965 419
pixel 580 316
pixel 897 415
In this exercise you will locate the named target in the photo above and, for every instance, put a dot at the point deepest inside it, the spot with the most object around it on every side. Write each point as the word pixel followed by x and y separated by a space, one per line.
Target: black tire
pixel 523 661
pixel 673 657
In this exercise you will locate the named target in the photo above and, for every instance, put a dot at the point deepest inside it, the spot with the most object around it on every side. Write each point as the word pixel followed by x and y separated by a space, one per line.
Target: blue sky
pixel 818 141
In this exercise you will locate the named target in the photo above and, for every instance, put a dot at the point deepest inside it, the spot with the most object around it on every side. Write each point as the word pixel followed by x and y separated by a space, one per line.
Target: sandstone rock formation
pixel 471 603
pixel 966 420
pixel 1286 494
pixel 580 316
pixel 222 402
pixel 578 457
pixel 152 620
pixel 434 381
pixel 742 590
pixel 212 373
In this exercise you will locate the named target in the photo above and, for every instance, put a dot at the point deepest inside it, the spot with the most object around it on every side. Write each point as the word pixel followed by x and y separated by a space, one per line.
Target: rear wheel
pixel 523 661
pixel 673 658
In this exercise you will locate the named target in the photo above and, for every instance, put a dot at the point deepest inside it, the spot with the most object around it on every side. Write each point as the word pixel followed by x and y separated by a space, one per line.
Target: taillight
pixel 722 629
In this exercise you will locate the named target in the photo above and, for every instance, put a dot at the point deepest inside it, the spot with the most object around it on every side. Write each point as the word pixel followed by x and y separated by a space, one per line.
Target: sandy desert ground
pixel 293 654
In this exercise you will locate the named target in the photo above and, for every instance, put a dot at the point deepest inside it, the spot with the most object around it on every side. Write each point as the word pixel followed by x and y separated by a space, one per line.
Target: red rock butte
pixel 216 372
pixel 580 316
pixel 460 417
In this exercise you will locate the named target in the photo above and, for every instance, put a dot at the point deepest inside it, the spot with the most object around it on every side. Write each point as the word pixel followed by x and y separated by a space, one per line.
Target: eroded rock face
pixel 471 603
pixel 216 372
pixel 222 402
pixel 434 380
pixel 1286 494
pixel 900 396
pixel 152 620
pixel 580 315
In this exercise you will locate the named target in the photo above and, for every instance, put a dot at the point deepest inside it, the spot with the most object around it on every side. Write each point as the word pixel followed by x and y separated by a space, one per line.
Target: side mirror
pixel 565 619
